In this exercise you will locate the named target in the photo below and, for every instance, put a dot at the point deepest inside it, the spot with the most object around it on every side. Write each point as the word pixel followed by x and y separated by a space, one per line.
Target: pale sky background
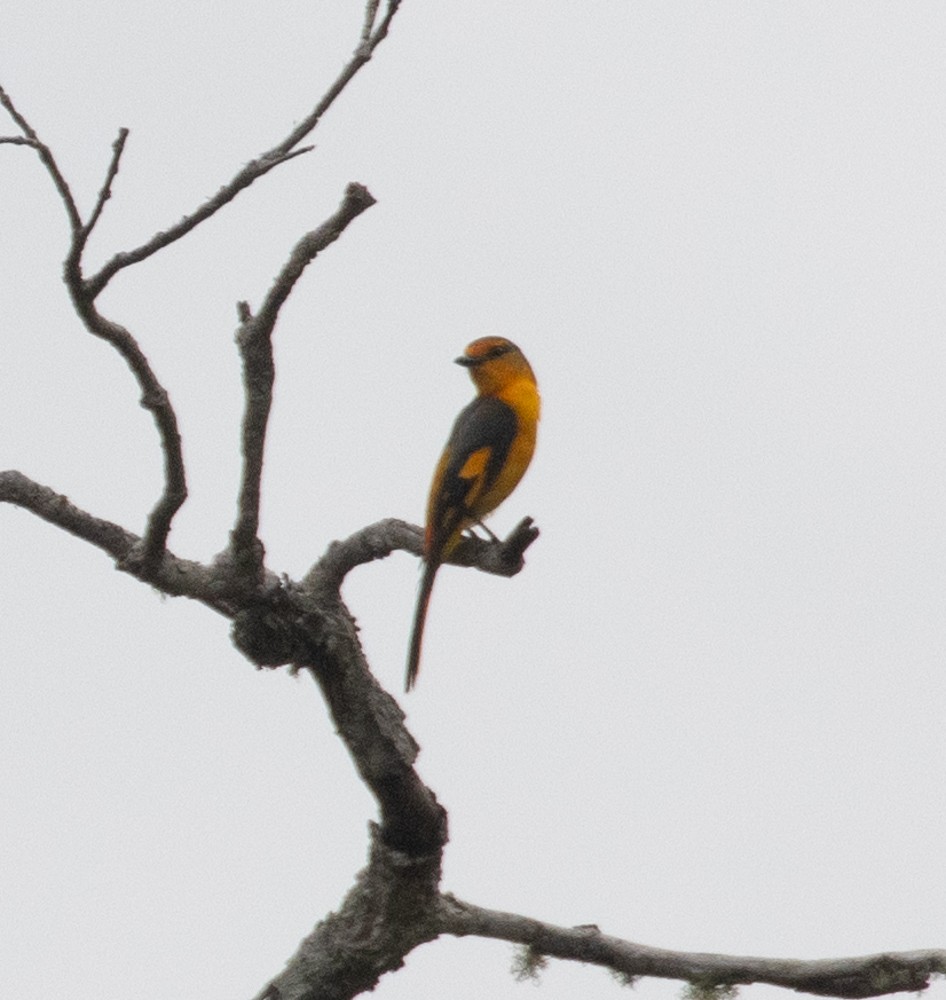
pixel 709 714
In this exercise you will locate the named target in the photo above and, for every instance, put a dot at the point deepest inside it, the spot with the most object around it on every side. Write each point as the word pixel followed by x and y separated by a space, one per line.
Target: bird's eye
pixel 499 350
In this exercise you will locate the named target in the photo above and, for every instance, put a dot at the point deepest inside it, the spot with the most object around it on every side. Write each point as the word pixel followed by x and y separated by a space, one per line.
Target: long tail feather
pixel 420 616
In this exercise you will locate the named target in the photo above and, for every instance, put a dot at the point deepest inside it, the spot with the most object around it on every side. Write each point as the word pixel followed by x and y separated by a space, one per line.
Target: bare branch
pixel 154 398
pixel 256 349
pixel 379 540
pixel 257 332
pixel 371 724
pixel 105 192
pixel 371 15
pixel 866 976
pixel 362 55
pixel 317 632
pixel 17 489
pixel 176 577
pixel 314 629
pixel 386 914
pixel 357 199
pixel 256 168
pixel 376 541
pixel 255 339
pixel 46 158
pixel 243 179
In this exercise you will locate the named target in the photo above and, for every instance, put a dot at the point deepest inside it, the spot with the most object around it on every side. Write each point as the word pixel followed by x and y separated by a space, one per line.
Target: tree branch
pixel 379 540
pixel 356 200
pixel 371 724
pixel 371 15
pixel 243 179
pixel 211 585
pixel 17 489
pixel 256 168
pixel 154 398
pixel 153 395
pixel 254 343
pixel 46 158
pixel 866 976
pixel 105 192
pixel 255 340
pixel 317 632
pixel 386 914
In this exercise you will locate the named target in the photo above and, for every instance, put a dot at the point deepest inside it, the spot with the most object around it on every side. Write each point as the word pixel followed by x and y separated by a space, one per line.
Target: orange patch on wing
pixel 476 463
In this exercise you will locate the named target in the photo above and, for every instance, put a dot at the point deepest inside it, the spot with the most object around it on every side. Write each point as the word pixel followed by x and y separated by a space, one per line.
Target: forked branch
pixel 255 333
pixel 154 397
pixel 282 152
pixel 31 138
pixel 255 339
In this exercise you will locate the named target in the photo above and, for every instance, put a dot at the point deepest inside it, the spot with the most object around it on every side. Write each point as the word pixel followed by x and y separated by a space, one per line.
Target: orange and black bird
pixel 488 452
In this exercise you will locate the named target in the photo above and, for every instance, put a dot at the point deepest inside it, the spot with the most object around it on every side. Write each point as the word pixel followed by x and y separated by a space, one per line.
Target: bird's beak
pixel 465 361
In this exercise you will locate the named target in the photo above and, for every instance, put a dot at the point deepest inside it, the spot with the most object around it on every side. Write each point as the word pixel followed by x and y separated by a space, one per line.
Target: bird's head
pixel 494 363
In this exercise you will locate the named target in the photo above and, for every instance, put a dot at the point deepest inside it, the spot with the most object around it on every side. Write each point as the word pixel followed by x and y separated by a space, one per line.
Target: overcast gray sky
pixel 709 714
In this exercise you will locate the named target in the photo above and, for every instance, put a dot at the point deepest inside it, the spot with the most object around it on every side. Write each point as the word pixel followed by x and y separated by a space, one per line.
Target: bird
pixel 487 453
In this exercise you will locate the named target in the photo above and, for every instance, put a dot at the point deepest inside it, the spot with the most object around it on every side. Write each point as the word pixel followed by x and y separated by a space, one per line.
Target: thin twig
pixel 362 55
pixel 47 159
pixel 105 192
pixel 280 153
pixel 243 179
pixel 371 15
pixel 357 199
